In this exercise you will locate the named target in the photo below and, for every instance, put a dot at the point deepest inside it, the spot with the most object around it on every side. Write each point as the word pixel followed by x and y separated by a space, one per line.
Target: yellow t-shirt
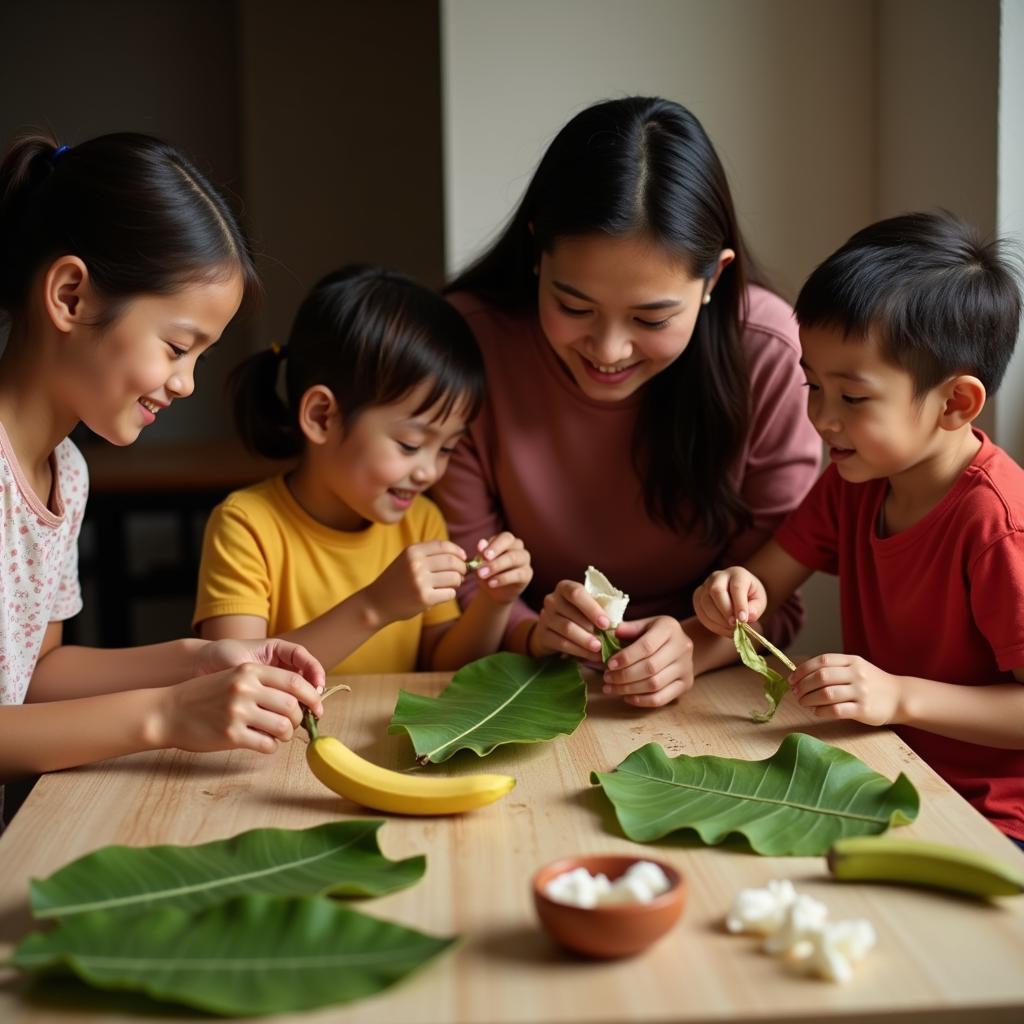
pixel 264 555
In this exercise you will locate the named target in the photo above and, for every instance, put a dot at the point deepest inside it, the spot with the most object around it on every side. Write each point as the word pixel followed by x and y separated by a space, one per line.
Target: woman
pixel 645 412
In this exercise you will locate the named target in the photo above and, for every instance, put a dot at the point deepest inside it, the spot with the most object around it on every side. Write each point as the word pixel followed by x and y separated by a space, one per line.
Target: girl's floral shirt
pixel 39 567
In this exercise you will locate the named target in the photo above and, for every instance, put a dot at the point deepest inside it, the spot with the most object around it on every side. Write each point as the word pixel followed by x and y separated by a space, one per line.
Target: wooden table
pixel 938 959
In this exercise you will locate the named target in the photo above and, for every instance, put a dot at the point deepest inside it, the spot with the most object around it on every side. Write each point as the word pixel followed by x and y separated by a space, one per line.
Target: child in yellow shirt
pixel 344 553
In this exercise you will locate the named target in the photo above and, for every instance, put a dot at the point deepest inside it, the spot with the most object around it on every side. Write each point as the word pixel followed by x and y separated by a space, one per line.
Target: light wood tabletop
pixel 938 959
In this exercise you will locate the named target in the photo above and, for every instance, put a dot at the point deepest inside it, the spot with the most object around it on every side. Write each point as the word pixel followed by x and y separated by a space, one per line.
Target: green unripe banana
pixel 920 862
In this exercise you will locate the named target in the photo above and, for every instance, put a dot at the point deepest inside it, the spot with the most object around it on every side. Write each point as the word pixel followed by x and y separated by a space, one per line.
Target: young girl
pixel 644 412
pixel 119 266
pixel 344 554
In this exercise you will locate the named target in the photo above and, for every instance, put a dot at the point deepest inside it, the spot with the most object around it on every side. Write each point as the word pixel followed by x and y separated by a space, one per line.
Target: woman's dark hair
pixel 140 216
pixel 645 167
pixel 370 335
pixel 940 298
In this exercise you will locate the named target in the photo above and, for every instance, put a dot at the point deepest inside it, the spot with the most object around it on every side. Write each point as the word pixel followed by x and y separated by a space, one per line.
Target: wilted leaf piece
pixel 796 802
pixel 609 643
pixel 504 698
pixel 251 955
pixel 775 686
pixel 338 859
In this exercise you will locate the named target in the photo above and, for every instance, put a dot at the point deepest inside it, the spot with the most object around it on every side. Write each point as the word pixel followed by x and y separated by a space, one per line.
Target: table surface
pixel 939 958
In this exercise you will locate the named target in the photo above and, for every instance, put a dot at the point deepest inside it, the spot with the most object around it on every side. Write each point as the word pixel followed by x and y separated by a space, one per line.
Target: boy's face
pixel 864 408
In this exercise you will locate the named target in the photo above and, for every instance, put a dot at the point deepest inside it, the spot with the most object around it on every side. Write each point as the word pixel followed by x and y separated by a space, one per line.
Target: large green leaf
pixel 796 802
pixel 338 859
pixel 252 955
pixel 504 698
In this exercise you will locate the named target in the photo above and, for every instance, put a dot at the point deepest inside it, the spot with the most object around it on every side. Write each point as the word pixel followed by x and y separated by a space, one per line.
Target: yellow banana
pixel 919 862
pixel 351 776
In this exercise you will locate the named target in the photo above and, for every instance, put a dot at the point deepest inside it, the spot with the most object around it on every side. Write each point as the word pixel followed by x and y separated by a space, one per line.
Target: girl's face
pixel 617 311
pixel 127 373
pixel 387 457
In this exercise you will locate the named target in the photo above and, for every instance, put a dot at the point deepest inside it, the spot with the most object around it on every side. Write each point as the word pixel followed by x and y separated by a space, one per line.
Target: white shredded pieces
pixel 796 927
pixel 641 882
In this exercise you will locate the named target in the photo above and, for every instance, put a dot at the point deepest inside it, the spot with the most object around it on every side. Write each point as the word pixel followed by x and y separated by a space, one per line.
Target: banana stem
pixel 309 724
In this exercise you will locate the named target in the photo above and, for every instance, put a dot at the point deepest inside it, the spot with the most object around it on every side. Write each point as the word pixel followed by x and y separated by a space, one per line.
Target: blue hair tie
pixel 59 151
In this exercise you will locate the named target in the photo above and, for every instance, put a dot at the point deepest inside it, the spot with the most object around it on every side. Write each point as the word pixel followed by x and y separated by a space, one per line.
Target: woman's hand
pixel 846 686
pixel 222 654
pixel 567 623
pixel 655 664
pixel 422 576
pixel 250 706
pixel 727 596
pixel 506 571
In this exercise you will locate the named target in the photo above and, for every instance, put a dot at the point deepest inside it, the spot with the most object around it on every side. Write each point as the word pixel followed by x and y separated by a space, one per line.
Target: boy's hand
pixel 422 576
pixel 251 706
pixel 221 654
pixel 727 596
pixel 846 686
pixel 506 571
pixel 655 664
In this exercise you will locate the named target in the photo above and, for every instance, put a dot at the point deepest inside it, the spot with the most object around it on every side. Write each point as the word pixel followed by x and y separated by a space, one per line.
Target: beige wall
pixel 827 115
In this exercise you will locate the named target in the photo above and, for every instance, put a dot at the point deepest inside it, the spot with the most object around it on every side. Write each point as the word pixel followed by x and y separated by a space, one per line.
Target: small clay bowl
pixel 622 929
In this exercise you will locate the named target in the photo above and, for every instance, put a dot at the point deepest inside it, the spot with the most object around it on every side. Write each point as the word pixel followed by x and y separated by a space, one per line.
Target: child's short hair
pixel 372 336
pixel 938 297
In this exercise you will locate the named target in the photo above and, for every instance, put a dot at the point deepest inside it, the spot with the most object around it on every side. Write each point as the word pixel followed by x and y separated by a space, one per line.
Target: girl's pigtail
pixel 264 421
pixel 27 164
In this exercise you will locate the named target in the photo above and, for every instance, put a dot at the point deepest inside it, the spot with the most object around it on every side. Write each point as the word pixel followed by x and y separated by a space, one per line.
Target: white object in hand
pixel 610 598
pixel 640 883
pixel 761 911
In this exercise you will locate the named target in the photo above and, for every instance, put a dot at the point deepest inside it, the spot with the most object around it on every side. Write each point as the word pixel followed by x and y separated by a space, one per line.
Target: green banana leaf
pixel 504 698
pixel 609 643
pixel 251 955
pixel 338 859
pixel 775 687
pixel 796 802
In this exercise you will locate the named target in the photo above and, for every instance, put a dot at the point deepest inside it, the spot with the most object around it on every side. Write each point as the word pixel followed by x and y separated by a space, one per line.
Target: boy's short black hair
pixel 940 299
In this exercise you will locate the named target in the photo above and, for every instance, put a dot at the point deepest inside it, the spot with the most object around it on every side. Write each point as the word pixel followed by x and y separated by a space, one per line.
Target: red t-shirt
pixel 941 600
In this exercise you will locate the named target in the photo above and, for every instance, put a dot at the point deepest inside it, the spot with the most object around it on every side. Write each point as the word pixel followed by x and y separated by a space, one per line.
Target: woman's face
pixel 617 311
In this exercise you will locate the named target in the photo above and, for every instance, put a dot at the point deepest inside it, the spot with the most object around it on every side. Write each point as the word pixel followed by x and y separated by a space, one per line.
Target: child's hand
pixel 421 576
pixel 221 654
pixel 655 664
pixel 846 686
pixel 506 571
pixel 728 595
pixel 253 707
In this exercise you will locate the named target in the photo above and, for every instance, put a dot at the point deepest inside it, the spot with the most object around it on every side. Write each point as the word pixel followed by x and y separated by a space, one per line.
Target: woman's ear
pixel 319 415
pixel 725 257
pixel 964 398
pixel 68 295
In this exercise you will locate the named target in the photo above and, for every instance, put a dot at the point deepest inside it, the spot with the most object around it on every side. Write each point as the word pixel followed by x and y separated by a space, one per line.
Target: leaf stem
pixel 753 633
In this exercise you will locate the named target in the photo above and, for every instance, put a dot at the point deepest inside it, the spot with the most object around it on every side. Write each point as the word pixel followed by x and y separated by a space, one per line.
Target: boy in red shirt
pixel 904 331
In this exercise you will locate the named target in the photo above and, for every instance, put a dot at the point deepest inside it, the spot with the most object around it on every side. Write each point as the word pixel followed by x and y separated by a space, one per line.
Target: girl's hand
pixel 506 571
pixel 655 664
pixel 728 595
pixel 420 577
pixel 252 707
pixel 567 623
pixel 221 654
pixel 846 686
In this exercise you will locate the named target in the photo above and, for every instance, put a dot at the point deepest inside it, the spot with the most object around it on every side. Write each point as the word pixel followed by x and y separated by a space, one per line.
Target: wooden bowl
pixel 621 929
